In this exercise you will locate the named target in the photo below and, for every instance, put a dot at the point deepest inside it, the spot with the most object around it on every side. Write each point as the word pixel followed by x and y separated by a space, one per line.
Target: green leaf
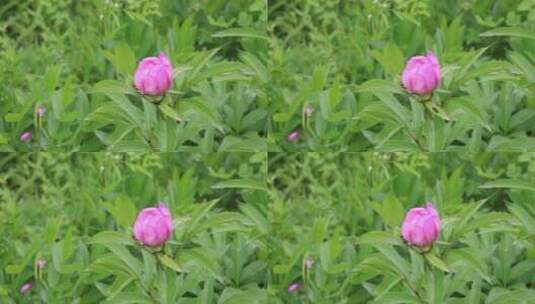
pixel 199 107
pixel 379 237
pixel 51 78
pixel 470 212
pixel 126 257
pixel 241 184
pixel 125 212
pixel 436 261
pixel 112 86
pixel 200 61
pixel 392 211
pixel 391 58
pixel 508 184
pixel 169 262
pixel 258 218
pixel 191 259
pixel 170 112
pixel 134 297
pixel 470 63
pixel 525 218
pixel 242 33
pixel 258 67
pixel 402 114
pixel 125 60
pixel 462 258
pixel 399 263
pixel 463 105
pixel 510 32
pixel 379 85
pixel 14 269
pixel 474 297
pixel 111 237
pixel 252 295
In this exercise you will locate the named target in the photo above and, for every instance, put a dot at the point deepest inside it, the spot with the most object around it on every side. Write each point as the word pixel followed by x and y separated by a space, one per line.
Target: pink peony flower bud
pixel 154 75
pixel 294 287
pixel 421 226
pixel 309 110
pixel 421 74
pixel 41 110
pixel 41 263
pixel 26 136
pixel 294 136
pixel 309 262
pixel 153 226
pixel 24 289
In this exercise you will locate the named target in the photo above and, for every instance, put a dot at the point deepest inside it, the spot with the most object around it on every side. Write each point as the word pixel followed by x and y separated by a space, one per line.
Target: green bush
pixel 344 58
pixel 76 212
pixel 344 211
pixel 77 58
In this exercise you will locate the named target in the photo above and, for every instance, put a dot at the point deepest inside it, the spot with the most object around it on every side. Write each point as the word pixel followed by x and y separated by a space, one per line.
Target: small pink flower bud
pixel 41 110
pixel 294 287
pixel 154 75
pixel 153 226
pixel 294 136
pixel 309 262
pixel 421 226
pixel 25 289
pixel 421 74
pixel 25 136
pixel 41 263
pixel 309 110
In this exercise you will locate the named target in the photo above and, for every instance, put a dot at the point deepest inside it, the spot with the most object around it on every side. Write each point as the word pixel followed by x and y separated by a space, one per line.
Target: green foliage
pixel 65 55
pixel 344 211
pixel 344 58
pixel 76 211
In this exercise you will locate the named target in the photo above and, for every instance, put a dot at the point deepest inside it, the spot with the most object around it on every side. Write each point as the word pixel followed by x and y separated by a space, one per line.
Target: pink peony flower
pixel 25 289
pixel 294 287
pixel 26 136
pixel 421 74
pixel 154 75
pixel 421 226
pixel 294 136
pixel 153 226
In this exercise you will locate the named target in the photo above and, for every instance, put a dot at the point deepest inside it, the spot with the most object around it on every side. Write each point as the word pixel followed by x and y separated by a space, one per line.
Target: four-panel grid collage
pixel 267 151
